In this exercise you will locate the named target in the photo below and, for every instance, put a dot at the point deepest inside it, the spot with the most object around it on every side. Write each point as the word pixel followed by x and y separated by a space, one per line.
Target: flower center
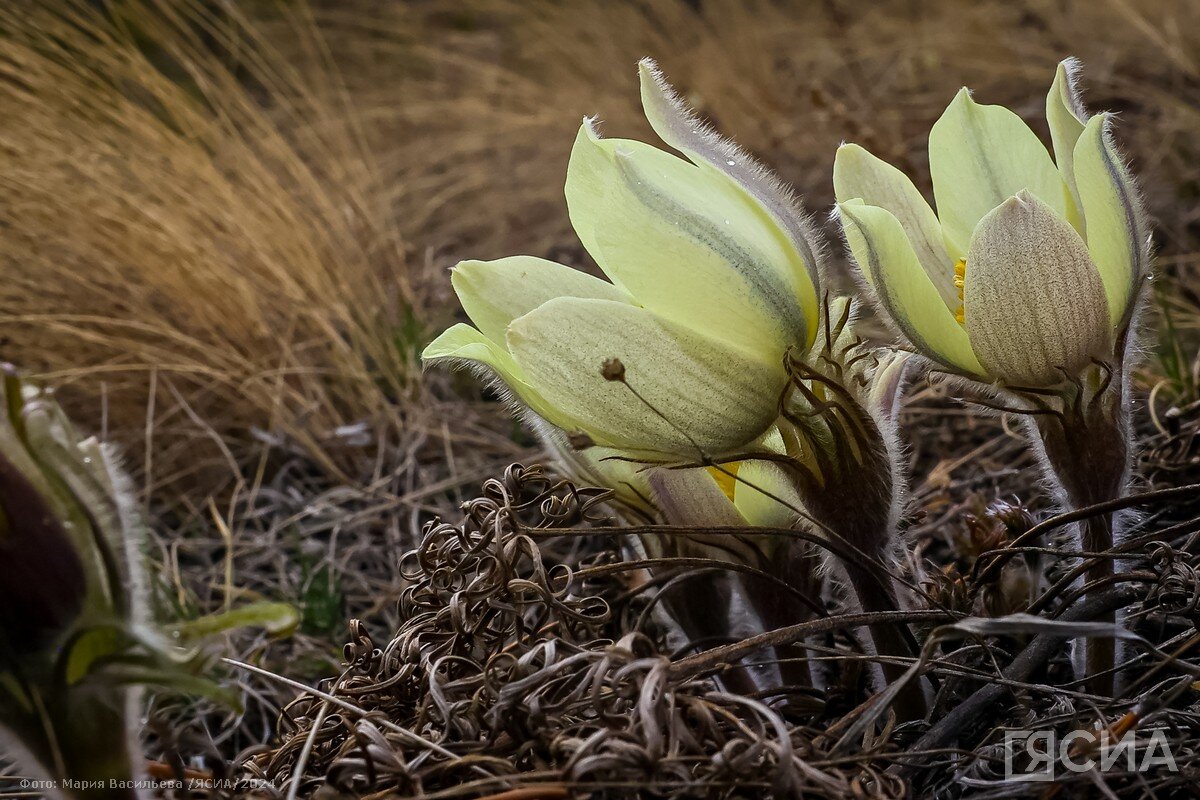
pixel 960 281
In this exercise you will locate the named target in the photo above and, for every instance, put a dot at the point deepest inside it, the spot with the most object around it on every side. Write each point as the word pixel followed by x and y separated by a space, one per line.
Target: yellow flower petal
pixel 685 243
pixel 1033 298
pixel 494 293
pixel 1116 224
pixel 464 346
pixel 695 391
pixel 1066 117
pixel 588 174
pixel 765 495
pixel 676 125
pixel 888 262
pixel 858 174
pixel 725 476
pixel 979 156
pixel 461 341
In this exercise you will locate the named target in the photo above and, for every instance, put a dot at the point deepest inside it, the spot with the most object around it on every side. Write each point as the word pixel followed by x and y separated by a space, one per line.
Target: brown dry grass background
pixel 225 216
pixel 225 228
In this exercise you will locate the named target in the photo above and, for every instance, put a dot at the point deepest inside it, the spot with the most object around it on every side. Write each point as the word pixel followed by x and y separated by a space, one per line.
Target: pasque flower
pixel 710 356
pixel 711 280
pixel 1026 281
pixel 1029 270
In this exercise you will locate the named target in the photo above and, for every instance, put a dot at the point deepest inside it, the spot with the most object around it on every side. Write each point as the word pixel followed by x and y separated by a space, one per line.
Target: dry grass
pixel 492 114
pixel 215 224
pixel 183 245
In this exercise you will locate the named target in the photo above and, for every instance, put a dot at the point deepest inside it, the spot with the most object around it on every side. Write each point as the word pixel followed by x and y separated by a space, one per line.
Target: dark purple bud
pixel 42 581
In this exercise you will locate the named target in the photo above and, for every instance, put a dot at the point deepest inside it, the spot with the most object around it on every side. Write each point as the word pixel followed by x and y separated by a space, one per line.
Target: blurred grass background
pixel 222 217
pixel 225 227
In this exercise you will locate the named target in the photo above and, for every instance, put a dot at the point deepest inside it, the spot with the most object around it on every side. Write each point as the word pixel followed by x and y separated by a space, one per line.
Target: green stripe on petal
pixel 494 293
pixel 1066 117
pixel 686 243
pixel 1035 304
pixel 676 125
pixel 462 345
pixel 1116 224
pixel 979 156
pixel 859 174
pixel 719 396
pixel 888 262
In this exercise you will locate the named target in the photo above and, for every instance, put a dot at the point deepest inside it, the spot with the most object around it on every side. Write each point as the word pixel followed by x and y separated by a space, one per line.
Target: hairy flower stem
pixel 843 466
pixel 1087 453
pixel 876 593
pixel 855 505
pixel 777 609
pixel 703 618
pixel 718 608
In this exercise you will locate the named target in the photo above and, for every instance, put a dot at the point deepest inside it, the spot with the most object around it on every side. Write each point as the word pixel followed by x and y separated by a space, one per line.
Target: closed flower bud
pixel 42 582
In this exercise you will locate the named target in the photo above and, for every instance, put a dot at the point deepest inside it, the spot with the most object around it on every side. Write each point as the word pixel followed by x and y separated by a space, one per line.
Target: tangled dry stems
pixel 529 672
pixel 519 664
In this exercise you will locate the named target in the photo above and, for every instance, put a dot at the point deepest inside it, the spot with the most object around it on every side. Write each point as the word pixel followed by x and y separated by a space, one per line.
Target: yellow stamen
pixel 960 282
pixel 726 477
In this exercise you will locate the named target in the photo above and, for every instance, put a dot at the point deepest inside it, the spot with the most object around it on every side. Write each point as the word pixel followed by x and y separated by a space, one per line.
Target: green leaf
pixel 91 646
pixel 176 680
pixel 323 604
pixel 277 619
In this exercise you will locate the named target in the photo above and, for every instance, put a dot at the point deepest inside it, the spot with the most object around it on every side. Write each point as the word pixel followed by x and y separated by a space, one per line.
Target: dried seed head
pixel 1015 516
pixel 613 370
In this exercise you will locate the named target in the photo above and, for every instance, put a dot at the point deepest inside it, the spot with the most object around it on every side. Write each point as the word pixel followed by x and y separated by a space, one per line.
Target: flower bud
pixel 42 582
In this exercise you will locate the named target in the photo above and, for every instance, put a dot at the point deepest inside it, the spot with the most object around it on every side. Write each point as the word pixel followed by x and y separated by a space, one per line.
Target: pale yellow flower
pixel 711 280
pixel 1031 266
